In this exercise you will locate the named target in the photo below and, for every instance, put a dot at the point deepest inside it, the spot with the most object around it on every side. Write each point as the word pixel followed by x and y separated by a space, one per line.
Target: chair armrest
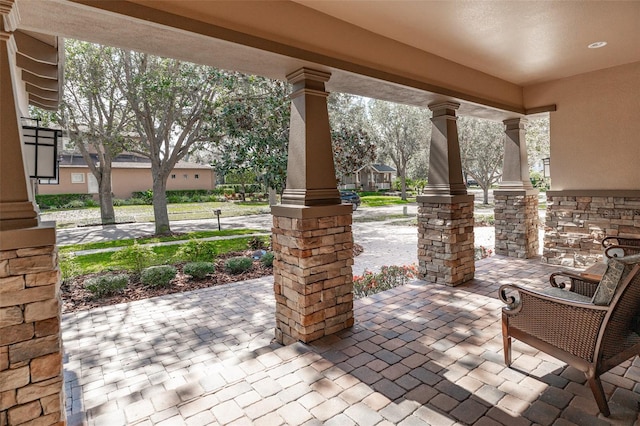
pixel 547 299
pixel 609 241
pixel 614 250
pixel 579 284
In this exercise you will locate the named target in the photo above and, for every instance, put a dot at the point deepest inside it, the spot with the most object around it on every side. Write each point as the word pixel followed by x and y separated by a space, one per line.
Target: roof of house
pixel 383 168
pixel 125 161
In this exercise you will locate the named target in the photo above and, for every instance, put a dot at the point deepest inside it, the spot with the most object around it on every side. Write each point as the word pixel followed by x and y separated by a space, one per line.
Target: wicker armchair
pixel 620 246
pixel 567 324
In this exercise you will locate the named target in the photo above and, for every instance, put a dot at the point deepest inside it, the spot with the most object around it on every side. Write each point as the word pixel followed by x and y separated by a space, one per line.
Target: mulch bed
pixel 76 298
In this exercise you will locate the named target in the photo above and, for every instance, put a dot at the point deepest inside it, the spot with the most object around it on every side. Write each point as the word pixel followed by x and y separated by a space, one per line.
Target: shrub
pixel 196 251
pixel 119 202
pixel 238 265
pixel 57 201
pixel 91 203
pixel 147 196
pixel 389 277
pixel 136 257
pixel 199 270
pixel 158 276
pixel 107 285
pixel 256 243
pixel 134 201
pixel 267 259
pixel 75 204
pixel 482 252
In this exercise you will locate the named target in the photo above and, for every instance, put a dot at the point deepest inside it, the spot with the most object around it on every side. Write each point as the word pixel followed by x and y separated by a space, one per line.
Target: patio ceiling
pixel 481 54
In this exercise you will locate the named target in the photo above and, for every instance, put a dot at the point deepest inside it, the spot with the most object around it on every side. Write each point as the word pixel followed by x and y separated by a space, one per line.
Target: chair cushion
pixel 560 293
pixel 609 282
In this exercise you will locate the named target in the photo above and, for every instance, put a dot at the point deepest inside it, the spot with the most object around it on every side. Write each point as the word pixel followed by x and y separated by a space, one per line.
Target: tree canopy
pixel 402 132
pixel 481 151
pixel 96 112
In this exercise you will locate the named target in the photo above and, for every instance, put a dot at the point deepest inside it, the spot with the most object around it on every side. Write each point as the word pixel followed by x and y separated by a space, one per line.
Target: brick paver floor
pixel 419 354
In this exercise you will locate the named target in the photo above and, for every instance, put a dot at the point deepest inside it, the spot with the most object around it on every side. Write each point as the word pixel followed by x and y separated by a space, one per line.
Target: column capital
pixel 304 73
pixel 10 15
pixel 515 123
pixel 444 108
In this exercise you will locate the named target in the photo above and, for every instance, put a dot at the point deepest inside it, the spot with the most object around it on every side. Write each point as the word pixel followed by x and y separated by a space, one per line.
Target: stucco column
pixel 31 376
pixel 445 166
pixel 311 177
pixel 311 234
pixel 516 201
pixel 445 211
pixel 16 206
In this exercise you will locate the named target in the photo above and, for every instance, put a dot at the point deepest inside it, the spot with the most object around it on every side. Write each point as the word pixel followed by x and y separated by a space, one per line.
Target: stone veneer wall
pixel 577 221
pixel 31 388
pixel 313 280
pixel 445 240
pixel 516 224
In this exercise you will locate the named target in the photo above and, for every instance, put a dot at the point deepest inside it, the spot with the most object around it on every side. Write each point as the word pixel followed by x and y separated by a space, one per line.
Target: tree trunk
pixel 403 187
pixel 107 213
pixel 273 197
pixel 486 194
pixel 160 211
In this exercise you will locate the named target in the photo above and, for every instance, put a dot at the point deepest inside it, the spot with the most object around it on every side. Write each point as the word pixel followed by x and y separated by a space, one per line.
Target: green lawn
pixel 129 242
pixel 383 200
pixel 182 211
pixel 98 262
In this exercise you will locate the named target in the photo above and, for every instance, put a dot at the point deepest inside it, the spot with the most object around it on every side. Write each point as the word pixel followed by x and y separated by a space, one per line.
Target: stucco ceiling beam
pixel 35 49
pixel 50 95
pixel 43 103
pixel 37 68
pixel 43 83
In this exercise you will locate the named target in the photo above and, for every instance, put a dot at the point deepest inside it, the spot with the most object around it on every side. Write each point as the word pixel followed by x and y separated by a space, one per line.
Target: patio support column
pixel 31 388
pixel 516 201
pixel 311 234
pixel 445 211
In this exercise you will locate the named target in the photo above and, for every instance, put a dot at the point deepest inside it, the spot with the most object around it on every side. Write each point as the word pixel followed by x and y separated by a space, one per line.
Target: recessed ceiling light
pixel 597 45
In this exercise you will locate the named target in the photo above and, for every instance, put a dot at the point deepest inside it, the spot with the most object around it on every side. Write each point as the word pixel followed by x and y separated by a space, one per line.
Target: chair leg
pixel 506 344
pixel 598 393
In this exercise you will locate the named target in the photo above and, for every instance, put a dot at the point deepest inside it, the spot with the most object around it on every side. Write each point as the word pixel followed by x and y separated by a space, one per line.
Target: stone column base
pixel 313 279
pixel 445 239
pixel 516 223
pixel 31 379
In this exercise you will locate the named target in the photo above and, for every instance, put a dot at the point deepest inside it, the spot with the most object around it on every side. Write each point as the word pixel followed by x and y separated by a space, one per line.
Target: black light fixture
pixel 40 149
pixel 547 169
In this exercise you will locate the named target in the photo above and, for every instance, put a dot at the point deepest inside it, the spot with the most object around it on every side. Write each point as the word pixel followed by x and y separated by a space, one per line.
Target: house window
pixel 196 176
pixel 173 176
pixel 185 176
pixel 77 177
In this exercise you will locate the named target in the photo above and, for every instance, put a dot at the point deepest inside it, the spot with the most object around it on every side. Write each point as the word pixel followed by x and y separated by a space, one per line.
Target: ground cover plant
pixel 387 278
pixel 170 274
pixel 72 248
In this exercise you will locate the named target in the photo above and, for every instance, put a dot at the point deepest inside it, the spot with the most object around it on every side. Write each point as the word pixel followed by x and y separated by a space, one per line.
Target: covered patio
pixel 503 61
pixel 419 354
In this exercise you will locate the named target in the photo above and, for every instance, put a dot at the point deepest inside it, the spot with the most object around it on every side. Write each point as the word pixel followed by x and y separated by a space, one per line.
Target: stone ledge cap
pixel 445 199
pixel 37 236
pixel 306 212
pixel 519 192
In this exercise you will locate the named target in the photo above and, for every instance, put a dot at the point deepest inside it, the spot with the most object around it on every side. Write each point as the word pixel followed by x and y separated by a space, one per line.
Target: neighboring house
pixel 370 178
pixel 129 173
